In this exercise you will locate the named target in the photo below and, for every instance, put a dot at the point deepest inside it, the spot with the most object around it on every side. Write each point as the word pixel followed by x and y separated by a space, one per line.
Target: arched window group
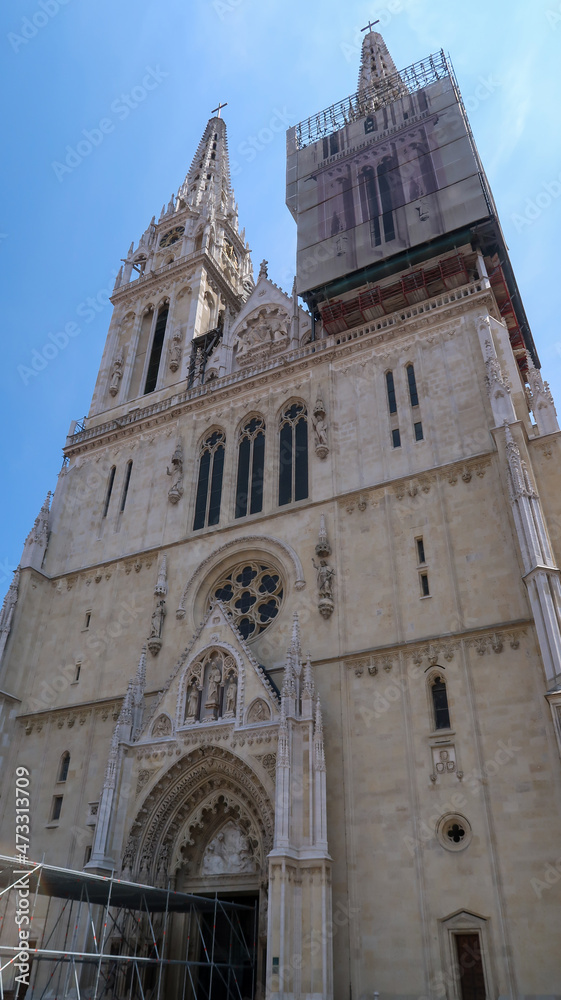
pixel 111 483
pixel 156 350
pixel 250 475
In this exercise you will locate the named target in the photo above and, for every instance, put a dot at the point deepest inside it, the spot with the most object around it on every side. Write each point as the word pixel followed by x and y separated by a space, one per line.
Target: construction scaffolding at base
pixel 103 938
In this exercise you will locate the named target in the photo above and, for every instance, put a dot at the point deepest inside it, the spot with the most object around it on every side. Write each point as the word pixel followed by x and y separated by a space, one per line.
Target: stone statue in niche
pixel 214 679
pixel 175 491
pixel 319 424
pixel 175 352
pixel 116 373
pixel 154 641
pixel 231 696
pixel 192 702
pixel 229 852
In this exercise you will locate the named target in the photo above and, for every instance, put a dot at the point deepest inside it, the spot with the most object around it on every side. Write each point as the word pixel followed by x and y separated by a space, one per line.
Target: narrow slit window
pixel 209 485
pixel 87 619
pixel 56 808
pixel 418 428
pixel 424 578
pixel 440 704
pixel 421 550
pixel 251 465
pixel 109 491
pixel 77 672
pixel 156 352
pixel 293 458
pixel 64 766
pixel 396 438
pixel 412 382
pixel 390 386
pixel 128 471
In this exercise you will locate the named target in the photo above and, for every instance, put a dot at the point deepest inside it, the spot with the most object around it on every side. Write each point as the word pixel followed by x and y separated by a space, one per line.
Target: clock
pixel 230 254
pixel 172 236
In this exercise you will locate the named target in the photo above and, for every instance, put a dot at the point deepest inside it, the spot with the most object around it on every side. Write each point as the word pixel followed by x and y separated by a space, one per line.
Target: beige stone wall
pixel 393 882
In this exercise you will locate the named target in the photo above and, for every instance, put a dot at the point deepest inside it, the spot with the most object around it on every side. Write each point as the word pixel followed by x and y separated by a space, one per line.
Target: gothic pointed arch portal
pixel 207 828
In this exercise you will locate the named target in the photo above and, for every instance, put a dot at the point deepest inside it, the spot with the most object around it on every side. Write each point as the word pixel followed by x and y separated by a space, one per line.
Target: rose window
pixel 252 594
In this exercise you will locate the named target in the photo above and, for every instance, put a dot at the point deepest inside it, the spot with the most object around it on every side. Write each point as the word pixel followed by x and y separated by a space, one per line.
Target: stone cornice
pixel 432 650
pixel 396 328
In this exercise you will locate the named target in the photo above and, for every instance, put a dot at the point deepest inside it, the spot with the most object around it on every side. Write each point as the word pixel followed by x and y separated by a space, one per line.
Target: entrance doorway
pixel 221 950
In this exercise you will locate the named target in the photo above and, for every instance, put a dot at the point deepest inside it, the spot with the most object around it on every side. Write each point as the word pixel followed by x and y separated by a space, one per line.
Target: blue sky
pixel 67 67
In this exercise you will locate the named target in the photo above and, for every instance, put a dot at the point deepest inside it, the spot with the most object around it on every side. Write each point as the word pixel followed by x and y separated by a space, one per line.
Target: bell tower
pixel 180 287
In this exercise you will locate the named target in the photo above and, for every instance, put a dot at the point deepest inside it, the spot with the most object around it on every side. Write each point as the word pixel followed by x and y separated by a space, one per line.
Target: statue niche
pixel 211 688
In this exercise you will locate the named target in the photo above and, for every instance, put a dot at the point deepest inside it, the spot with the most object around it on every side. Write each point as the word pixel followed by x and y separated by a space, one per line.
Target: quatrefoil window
pixel 253 594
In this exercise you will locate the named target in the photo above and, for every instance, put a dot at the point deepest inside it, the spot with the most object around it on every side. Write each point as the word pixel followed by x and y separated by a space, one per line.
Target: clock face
pixel 172 236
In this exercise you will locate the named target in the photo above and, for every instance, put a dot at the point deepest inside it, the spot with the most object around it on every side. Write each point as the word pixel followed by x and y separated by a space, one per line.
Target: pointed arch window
pixel 109 490
pixel 440 702
pixel 251 466
pixel 390 386
pixel 156 352
pixel 293 463
pixel 412 383
pixel 63 766
pixel 209 486
pixel 126 483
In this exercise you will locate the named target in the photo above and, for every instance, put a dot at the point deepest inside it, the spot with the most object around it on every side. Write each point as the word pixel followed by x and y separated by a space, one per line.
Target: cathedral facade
pixel 288 632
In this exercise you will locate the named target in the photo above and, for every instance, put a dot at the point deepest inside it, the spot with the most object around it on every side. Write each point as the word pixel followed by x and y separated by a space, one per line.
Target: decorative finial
pixel 263 270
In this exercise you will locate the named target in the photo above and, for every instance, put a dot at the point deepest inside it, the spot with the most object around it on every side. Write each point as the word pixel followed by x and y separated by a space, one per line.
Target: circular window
pixel 253 595
pixel 453 832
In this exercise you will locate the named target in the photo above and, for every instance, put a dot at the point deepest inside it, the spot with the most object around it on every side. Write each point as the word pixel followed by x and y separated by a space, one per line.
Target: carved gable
pixel 214 681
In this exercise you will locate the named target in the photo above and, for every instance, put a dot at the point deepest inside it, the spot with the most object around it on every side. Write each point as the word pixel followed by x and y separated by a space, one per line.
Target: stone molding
pixel 69 717
pixel 413 486
pixel 428 654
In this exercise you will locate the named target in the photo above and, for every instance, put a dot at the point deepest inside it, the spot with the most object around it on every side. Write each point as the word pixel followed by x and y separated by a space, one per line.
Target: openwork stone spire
pixel 208 180
pixel 377 67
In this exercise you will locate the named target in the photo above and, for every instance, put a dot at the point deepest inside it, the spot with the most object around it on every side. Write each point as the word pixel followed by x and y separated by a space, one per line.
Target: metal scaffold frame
pixel 76 956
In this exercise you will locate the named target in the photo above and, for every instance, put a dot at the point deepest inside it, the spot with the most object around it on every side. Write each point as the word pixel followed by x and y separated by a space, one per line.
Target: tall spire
pixel 377 68
pixel 208 180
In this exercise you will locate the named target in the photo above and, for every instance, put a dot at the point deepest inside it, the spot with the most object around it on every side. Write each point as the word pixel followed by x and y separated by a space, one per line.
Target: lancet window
pixel 209 486
pixel 293 460
pixel 251 464
pixel 156 352
pixel 64 766
pixel 440 703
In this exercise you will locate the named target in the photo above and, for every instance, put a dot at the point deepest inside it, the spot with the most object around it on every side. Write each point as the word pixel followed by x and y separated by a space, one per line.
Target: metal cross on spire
pixel 370 25
pixel 219 108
